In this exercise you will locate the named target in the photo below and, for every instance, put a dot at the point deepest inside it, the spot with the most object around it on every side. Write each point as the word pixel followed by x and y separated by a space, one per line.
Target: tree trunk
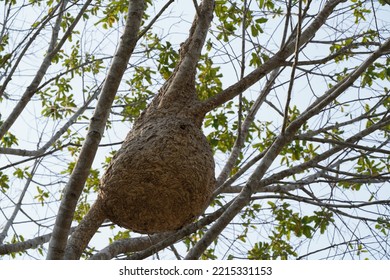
pixel 74 187
pixel 162 177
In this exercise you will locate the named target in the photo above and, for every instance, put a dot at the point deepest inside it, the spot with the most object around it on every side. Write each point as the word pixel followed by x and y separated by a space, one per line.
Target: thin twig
pixel 294 67
pixel 196 7
pixel 18 205
pixel 245 130
pixel 53 49
pixel 56 136
pixel 143 32
pixel 177 255
pixel 180 234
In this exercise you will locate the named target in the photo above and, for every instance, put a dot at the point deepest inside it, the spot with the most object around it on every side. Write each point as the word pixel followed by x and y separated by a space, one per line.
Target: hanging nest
pixel 161 179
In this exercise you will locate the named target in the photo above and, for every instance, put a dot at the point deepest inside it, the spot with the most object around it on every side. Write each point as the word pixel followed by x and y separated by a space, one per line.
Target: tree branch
pixel 191 228
pixel 56 136
pixel 28 244
pixel 275 61
pixel 151 23
pixel 25 245
pixel 255 180
pixel 83 233
pixel 97 124
pixel 239 143
pixel 18 205
pixel 196 7
pixel 343 144
pixel 261 185
pixel 184 73
pixel 53 49
pixel 123 246
pixel 146 246
pixel 294 65
pixel 27 46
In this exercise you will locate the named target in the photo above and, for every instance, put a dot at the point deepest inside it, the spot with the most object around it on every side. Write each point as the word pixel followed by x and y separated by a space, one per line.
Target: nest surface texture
pixel 161 178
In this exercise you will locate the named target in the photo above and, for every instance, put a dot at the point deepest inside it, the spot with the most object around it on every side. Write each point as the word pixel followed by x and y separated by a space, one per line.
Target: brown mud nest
pixel 161 178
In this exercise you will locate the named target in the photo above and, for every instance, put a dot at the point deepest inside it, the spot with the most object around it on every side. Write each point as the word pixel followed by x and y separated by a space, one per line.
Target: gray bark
pixel 76 182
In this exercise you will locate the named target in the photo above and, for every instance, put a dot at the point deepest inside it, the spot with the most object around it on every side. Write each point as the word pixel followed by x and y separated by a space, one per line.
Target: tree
pixel 291 97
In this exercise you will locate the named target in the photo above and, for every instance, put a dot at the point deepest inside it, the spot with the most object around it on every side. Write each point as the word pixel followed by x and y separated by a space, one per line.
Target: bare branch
pixel 180 234
pixel 143 32
pixel 344 144
pixel 294 65
pixel 28 244
pixel 123 246
pixel 25 245
pixel 238 144
pixel 346 243
pixel 275 61
pixel 314 161
pixel 83 233
pixel 253 183
pixel 27 46
pixel 196 7
pixel 18 205
pixel 76 182
pixel 53 49
pixel 56 136
pixel 338 89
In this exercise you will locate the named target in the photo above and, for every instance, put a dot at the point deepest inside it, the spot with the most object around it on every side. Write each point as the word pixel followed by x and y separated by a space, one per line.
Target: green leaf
pixel 4 180
pixel 41 196
pixel 8 140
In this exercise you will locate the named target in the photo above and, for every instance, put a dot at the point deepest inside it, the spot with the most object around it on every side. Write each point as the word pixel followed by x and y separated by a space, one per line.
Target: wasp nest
pixel 161 178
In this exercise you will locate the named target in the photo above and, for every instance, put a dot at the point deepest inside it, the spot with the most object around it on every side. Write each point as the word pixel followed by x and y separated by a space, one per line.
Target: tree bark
pixel 84 232
pixel 77 180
